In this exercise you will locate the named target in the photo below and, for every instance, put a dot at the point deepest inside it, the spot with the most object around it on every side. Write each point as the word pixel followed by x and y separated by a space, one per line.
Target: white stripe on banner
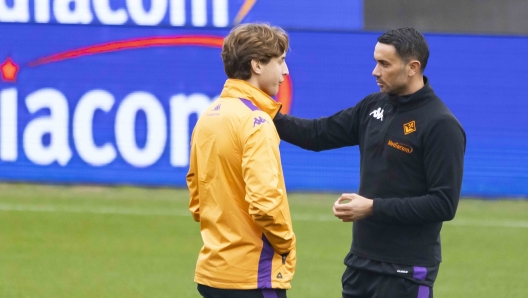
pixel 297 217
pixel 96 210
pixel 489 223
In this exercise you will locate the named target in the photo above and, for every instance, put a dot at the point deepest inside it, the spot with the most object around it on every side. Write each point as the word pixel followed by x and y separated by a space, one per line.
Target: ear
pixel 414 67
pixel 256 66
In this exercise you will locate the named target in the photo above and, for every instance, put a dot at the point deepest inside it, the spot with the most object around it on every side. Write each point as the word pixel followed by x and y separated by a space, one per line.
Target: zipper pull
pixel 389 109
pixel 284 256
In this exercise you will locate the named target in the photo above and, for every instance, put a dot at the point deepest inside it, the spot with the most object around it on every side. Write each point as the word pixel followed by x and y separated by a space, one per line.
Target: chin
pixel 387 90
pixel 272 92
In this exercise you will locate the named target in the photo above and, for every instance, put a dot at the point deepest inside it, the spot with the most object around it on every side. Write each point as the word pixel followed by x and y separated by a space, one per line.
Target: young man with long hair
pixel 235 177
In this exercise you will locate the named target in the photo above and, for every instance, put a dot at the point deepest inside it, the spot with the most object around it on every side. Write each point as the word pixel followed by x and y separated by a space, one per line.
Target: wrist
pixel 370 207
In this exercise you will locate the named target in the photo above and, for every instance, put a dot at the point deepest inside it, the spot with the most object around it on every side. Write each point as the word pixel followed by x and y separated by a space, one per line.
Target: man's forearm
pixel 296 131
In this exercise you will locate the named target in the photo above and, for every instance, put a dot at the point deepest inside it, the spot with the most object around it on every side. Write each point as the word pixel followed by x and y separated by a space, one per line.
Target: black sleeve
pixel 336 131
pixel 444 148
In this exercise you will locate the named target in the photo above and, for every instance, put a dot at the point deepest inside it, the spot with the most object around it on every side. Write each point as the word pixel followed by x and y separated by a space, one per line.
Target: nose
pixel 375 71
pixel 285 70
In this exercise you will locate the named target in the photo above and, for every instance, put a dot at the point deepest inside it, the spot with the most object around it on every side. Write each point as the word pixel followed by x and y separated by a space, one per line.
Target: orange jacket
pixel 238 194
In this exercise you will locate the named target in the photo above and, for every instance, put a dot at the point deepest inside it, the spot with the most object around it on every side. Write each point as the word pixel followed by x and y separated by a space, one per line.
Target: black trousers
pixel 208 292
pixel 366 284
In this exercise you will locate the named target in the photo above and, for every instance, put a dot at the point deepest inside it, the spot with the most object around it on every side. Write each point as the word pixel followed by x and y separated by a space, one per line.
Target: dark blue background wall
pixel 481 78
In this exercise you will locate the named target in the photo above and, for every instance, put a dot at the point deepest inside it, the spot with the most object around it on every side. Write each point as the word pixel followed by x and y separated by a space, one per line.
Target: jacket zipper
pixel 391 113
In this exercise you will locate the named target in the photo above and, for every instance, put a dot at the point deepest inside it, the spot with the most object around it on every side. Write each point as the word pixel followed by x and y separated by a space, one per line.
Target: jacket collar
pixel 242 89
pixel 418 98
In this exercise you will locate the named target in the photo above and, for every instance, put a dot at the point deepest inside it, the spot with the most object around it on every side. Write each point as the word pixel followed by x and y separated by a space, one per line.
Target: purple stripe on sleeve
pixel 420 273
pixel 264 267
pixel 249 104
pixel 269 293
pixel 423 292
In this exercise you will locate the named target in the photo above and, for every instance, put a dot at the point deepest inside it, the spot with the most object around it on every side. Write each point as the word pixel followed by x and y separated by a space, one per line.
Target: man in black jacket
pixel 412 157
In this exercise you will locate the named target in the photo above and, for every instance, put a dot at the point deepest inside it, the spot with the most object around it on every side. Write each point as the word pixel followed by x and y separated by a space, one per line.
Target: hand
pixel 358 208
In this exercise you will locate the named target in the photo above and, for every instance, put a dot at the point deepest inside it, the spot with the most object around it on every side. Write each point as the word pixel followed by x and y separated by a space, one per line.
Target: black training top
pixel 412 158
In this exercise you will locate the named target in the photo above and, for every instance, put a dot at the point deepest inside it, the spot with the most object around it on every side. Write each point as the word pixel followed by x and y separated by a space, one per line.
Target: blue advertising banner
pixel 116 105
pixel 320 15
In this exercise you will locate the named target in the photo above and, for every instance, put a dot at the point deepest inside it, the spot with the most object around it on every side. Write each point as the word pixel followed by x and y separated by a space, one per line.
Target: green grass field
pixel 63 241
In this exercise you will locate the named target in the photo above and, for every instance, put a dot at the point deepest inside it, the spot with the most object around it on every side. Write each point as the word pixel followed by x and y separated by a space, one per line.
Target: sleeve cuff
pixel 377 205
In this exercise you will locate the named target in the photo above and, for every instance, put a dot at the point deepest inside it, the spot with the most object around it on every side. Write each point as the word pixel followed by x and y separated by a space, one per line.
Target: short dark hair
pixel 251 41
pixel 409 44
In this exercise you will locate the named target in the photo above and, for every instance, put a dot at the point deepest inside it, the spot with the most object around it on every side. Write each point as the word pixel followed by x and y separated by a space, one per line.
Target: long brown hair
pixel 251 41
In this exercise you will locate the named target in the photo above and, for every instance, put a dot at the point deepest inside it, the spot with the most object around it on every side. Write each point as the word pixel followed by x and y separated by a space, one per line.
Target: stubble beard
pixel 396 89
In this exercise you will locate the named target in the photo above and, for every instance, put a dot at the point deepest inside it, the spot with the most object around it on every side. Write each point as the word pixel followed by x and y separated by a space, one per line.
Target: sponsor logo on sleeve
pixel 215 111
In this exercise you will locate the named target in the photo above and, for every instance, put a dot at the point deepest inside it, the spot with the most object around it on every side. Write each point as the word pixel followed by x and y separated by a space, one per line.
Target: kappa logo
pixel 259 121
pixel 378 114
pixel 409 127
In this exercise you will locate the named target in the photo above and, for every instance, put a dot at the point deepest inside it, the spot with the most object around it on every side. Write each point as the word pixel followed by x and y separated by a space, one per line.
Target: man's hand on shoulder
pixel 351 207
